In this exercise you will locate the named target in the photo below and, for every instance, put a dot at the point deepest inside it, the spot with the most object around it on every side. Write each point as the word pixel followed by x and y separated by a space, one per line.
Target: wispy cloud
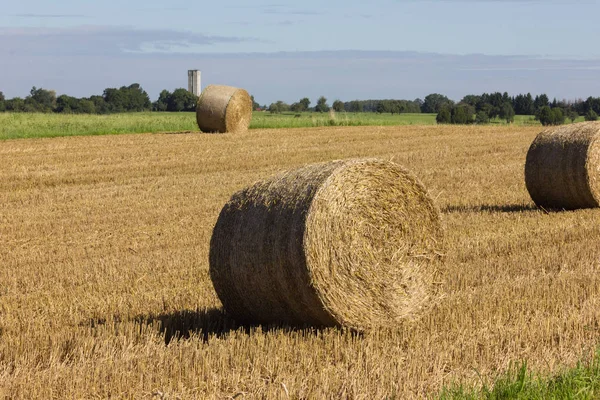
pixel 161 9
pixel 289 11
pixel 363 16
pixel 31 15
pixel 279 9
pixel 104 40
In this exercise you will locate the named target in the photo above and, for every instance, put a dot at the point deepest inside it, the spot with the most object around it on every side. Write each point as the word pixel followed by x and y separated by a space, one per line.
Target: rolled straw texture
pixel 224 109
pixel 343 243
pixel 562 167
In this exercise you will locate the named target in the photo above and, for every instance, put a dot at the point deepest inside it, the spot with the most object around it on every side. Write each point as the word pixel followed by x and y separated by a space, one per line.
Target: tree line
pixel 130 98
pixel 470 109
pixel 482 108
pixel 378 106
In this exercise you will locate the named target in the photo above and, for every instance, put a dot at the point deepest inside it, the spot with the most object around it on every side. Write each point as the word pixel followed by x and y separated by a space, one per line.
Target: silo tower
pixel 194 81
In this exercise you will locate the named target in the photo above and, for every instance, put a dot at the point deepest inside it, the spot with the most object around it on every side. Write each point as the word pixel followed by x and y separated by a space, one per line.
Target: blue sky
pixel 284 51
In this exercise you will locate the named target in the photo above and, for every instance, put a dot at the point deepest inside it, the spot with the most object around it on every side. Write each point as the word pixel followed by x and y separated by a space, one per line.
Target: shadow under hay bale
pixel 343 243
pixel 224 109
pixel 209 323
pixel 562 169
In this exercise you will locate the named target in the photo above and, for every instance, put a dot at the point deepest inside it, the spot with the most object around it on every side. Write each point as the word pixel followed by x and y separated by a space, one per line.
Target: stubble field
pixel 104 258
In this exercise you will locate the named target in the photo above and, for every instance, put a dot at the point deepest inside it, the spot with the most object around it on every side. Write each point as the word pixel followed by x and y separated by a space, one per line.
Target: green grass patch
pixel 580 382
pixel 35 125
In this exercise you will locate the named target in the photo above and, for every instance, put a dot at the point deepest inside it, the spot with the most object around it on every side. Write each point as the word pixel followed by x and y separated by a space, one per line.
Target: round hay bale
pixel 224 109
pixel 343 243
pixel 562 167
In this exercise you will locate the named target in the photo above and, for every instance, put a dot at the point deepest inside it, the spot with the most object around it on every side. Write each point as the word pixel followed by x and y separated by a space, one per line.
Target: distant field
pixel 309 119
pixel 267 120
pixel 27 125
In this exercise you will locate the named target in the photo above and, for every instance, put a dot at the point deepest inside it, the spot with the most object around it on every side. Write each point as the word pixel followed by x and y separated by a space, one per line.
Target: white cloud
pixel 103 40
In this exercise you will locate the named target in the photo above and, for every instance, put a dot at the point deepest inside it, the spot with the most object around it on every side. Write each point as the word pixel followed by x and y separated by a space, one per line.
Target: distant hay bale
pixel 562 170
pixel 344 243
pixel 224 109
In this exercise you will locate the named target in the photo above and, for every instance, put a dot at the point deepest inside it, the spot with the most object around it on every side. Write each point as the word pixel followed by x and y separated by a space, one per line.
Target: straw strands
pixel 343 243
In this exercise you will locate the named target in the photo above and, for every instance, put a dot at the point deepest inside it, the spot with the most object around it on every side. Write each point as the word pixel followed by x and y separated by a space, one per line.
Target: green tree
pixel 558 117
pixel 523 104
pixel 591 115
pixel 181 100
pixel 322 105
pixel 114 99
pixel 162 103
pixel 545 116
pixel 434 102
pixel 593 103
pixel 276 108
pixel 16 104
pixel 40 100
pixel 2 100
pixel 126 98
pixel 66 104
pixel 255 105
pixel 304 104
pixel 482 117
pixel 541 101
pixel 283 106
pixel 338 106
pixel 471 99
pixel 507 113
pixel 551 116
pixel 87 106
pixel 397 106
pixel 572 115
pixel 355 106
pixel 461 113
pixel 99 104
pixel 444 116
pixel 136 98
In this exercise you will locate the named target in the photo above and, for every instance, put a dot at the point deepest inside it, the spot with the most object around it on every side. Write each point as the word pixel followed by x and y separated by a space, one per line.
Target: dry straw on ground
pixel 343 243
pixel 224 109
pixel 83 272
pixel 562 167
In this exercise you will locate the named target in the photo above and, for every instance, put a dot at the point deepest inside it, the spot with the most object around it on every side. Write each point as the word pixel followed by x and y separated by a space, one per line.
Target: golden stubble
pixel 104 259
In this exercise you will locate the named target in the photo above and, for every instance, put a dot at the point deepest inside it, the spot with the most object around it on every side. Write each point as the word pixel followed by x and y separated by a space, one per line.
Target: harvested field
pixel 105 290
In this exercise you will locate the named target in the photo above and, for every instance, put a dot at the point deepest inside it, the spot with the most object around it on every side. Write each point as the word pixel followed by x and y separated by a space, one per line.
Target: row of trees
pixel 124 99
pixel 471 108
pixel 482 108
pixel 379 106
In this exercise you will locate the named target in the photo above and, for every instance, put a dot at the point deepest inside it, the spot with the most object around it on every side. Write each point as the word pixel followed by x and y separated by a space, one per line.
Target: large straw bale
pixel 562 170
pixel 344 243
pixel 224 109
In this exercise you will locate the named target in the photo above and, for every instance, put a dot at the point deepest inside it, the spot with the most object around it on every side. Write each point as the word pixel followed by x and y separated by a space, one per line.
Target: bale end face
pixel 224 109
